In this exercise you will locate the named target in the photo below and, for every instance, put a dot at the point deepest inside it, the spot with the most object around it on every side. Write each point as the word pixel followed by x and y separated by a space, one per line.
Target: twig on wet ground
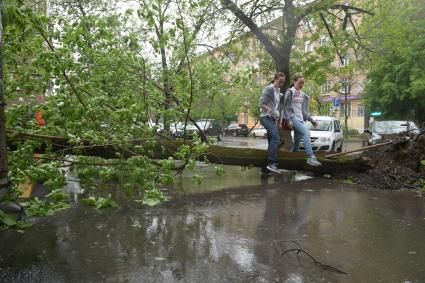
pixel 321 265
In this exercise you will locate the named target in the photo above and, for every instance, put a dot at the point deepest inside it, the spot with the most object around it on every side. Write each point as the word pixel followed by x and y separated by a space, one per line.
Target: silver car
pixel 379 129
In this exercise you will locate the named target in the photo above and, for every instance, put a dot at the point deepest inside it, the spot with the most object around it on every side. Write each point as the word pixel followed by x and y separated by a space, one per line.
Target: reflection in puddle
pixel 234 177
pixel 229 236
pixel 72 187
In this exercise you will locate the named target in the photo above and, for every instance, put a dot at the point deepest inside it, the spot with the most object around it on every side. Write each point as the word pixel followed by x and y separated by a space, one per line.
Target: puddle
pixel 212 233
pixel 234 177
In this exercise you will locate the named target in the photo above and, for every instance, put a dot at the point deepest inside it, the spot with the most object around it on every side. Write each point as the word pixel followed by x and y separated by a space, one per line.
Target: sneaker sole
pixel 314 164
pixel 272 170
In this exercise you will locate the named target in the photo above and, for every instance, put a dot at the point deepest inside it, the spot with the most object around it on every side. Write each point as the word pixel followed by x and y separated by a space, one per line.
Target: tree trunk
pixel 282 65
pixel 215 154
pixel 167 97
pixel 4 182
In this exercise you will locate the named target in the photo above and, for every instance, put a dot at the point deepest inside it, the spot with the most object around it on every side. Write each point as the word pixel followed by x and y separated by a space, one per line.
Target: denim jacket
pixel 267 99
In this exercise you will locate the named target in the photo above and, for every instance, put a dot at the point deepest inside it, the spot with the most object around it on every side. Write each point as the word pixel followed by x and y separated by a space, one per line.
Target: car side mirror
pixel 367 131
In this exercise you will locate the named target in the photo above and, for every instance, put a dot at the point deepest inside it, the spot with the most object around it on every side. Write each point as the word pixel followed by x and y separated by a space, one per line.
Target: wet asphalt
pixel 232 228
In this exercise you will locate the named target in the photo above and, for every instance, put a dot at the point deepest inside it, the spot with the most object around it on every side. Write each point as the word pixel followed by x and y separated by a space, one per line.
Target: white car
pixel 379 129
pixel 259 132
pixel 327 136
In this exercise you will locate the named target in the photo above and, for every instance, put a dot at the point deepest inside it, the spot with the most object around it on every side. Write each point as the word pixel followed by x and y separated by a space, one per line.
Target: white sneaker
pixel 313 161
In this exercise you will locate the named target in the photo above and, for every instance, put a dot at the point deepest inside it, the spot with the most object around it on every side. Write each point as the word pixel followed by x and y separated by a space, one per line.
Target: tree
pixel 279 38
pixel 106 87
pixel 4 181
pixel 396 81
pixel 175 28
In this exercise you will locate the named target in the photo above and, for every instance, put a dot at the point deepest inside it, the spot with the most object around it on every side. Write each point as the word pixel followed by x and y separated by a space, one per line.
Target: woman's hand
pixel 314 123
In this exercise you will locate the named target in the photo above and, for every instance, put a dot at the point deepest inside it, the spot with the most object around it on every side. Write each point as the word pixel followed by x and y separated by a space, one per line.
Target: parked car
pixel 210 127
pixel 159 126
pixel 236 130
pixel 176 129
pixel 379 129
pixel 327 136
pixel 259 132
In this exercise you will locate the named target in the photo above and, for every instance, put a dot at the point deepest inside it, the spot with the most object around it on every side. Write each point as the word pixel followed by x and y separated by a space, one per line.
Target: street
pixel 261 143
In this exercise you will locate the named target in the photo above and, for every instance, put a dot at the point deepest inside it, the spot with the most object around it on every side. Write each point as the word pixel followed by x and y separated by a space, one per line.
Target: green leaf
pixel 6 219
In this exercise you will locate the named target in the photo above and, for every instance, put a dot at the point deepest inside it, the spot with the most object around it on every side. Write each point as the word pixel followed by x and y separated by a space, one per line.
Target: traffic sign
pixel 336 102
pixel 376 114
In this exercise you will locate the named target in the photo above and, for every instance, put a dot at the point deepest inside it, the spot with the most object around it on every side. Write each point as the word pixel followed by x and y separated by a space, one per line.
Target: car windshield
pixel 391 127
pixel 322 125
pixel 203 124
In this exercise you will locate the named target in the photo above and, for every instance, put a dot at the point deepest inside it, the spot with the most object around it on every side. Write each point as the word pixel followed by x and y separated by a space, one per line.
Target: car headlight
pixel 324 139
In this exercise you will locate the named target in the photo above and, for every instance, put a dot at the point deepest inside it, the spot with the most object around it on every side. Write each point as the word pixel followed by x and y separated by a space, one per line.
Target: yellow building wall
pixel 247 119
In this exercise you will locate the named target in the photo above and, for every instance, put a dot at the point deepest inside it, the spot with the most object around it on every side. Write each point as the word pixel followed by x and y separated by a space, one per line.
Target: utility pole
pixel 4 181
pixel 346 111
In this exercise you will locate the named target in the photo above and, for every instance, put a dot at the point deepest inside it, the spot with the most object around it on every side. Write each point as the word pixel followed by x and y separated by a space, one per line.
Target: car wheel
pixel 340 147
pixel 254 136
pixel 235 134
pixel 220 137
pixel 333 147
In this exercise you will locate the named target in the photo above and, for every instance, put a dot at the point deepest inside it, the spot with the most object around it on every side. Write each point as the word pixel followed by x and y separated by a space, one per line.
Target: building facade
pixel 340 93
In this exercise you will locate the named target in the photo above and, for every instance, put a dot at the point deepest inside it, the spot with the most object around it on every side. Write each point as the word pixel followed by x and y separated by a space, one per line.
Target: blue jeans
pixel 300 130
pixel 272 136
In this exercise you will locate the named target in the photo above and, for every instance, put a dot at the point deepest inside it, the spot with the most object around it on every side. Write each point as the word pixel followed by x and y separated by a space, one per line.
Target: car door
pixel 338 133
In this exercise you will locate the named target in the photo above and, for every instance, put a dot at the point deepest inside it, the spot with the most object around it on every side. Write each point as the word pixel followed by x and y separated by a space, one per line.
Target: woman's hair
pixel 277 75
pixel 296 78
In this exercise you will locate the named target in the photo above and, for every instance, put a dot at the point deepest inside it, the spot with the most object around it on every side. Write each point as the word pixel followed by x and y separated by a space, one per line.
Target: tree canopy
pixel 396 80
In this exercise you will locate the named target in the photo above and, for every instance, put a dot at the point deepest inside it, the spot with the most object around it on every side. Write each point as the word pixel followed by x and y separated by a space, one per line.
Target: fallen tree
pixel 166 147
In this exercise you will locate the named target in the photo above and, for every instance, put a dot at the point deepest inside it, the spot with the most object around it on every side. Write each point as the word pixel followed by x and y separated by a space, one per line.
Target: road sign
pixel 376 114
pixel 336 102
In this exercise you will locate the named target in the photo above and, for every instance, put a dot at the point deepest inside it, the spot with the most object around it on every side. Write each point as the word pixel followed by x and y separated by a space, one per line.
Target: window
pixel 324 40
pixel 308 46
pixel 343 107
pixel 345 61
pixel 326 87
pixel 337 126
pixel 360 88
pixel 345 86
pixel 360 111
pixel 309 24
pixel 245 118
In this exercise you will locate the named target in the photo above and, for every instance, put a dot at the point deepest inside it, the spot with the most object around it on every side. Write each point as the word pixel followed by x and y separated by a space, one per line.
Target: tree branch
pixel 271 49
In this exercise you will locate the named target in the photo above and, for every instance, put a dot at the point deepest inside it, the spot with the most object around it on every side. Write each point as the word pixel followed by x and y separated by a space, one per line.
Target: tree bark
pixel 215 154
pixel 4 182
